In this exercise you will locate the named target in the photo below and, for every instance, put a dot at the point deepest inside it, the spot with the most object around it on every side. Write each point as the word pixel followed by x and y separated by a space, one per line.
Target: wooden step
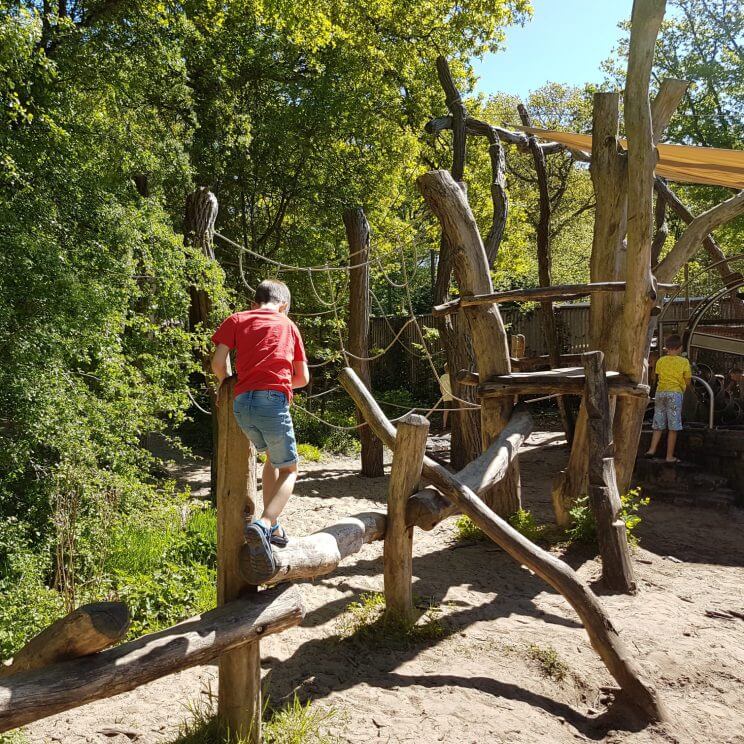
pixel 560 292
pixel 564 380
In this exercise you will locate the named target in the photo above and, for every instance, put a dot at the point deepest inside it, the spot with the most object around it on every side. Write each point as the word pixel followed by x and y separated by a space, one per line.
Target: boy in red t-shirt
pixel 270 363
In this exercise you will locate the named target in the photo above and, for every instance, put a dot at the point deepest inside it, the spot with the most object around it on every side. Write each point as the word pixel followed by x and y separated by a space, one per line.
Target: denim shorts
pixel 264 417
pixel 667 411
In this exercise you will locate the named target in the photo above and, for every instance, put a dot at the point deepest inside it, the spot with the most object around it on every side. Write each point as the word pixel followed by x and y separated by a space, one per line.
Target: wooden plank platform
pixel 559 292
pixel 565 380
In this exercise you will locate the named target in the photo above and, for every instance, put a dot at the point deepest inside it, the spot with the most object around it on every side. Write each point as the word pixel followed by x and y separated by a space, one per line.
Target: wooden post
pixel 408 459
pixel 450 205
pixel 517 345
pixel 465 437
pixel 617 568
pixel 239 699
pixel 357 233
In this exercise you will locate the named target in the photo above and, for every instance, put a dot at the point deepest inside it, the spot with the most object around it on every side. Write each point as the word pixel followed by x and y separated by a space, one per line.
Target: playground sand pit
pixel 511 663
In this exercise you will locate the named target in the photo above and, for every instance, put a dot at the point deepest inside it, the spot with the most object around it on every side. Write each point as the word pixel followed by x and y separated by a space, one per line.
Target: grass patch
pixel 467 531
pixel 294 723
pixel 367 621
pixel 551 665
pixel 309 452
pixel 14 737
pixel 523 521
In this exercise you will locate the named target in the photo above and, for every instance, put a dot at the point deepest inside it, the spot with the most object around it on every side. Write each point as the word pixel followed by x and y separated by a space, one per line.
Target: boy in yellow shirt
pixel 674 374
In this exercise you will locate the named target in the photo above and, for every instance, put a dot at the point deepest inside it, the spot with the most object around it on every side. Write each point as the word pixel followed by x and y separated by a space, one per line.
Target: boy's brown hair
pixel 272 290
pixel 673 342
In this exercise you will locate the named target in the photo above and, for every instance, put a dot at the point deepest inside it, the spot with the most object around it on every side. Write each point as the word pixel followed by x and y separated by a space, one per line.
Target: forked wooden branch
pixel 602 633
pixel 32 695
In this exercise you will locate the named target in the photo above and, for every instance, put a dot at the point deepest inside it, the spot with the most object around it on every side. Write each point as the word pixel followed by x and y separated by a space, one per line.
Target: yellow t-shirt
pixel 674 373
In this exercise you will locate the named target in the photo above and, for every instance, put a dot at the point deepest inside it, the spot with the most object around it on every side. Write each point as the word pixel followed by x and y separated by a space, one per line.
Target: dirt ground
pixel 480 682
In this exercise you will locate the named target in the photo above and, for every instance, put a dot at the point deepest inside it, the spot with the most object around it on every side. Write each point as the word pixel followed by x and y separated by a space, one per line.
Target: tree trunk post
pixel 408 460
pixel 450 205
pixel 604 498
pixel 465 438
pixel 641 291
pixel 358 236
pixel 609 177
pixel 239 697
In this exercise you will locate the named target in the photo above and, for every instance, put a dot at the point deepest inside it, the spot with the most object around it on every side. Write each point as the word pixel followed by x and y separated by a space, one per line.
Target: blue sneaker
pixel 262 563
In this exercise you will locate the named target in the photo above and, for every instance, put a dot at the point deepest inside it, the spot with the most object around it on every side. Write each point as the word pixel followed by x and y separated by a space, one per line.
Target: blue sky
pixel 565 42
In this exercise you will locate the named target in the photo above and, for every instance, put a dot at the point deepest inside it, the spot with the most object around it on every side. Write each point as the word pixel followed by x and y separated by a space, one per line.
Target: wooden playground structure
pixel 70 663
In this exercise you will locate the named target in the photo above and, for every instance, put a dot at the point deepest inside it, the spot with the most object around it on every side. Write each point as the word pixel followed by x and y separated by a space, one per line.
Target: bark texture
pixel 450 205
pixel 408 459
pixel 358 237
pixel 239 697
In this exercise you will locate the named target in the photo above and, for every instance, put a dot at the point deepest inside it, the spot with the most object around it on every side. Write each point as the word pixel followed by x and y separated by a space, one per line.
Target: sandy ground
pixel 479 683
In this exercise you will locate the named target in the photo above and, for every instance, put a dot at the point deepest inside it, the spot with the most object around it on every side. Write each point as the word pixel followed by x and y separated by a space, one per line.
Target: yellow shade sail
pixel 711 165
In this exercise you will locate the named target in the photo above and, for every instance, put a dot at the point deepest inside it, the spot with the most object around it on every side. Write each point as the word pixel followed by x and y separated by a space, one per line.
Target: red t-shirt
pixel 267 343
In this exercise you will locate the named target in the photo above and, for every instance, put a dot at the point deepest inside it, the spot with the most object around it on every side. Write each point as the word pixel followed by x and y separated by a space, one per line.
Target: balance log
pixel 84 631
pixel 28 696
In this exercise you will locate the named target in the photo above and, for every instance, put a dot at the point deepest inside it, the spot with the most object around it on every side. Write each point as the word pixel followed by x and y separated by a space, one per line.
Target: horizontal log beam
pixel 320 553
pixel 604 637
pixel 37 694
pixel 86 630
pixel 564 292
pixel 525 364
pixel 564 381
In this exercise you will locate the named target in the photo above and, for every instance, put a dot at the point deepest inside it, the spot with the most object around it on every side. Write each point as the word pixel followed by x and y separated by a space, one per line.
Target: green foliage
pixel 339 412
pixel 163 571
pixel 466 530
pixel 522 520
pixel 14 737
pixel 551 664
pixel 309 452
pixel 367 622
pixel 168 595
pixel 583 527
pixel 27 604
pixel 294 723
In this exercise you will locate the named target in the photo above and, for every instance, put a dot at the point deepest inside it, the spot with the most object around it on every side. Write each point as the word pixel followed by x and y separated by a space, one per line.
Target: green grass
pixel 367 621
pixel 14 737
pixel 523 521
pixel 294 723
pixel 551 665
pixel 309 452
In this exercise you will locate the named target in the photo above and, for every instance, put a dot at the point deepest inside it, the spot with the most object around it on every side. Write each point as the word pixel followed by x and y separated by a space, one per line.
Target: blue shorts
pixel 264 417
pixel 667 411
